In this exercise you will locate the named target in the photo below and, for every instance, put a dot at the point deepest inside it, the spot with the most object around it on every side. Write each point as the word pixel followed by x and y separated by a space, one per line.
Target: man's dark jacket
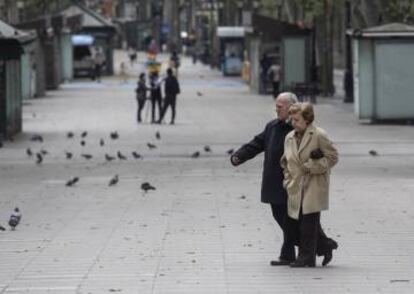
pixel 172 87
pixel 271 141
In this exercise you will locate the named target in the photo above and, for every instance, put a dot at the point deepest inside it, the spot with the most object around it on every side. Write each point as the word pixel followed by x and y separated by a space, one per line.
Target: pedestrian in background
pixel 171 90
pixel 275 75
pixel 141 95
pixel 122 72
pixel 98 61
pixel 156 96
pixel 132 54
pixel 265 64
pixel 308 158
pixel 175 62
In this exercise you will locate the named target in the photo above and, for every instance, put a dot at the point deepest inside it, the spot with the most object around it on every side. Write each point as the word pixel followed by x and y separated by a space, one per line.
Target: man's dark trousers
pixel 169 101
pixel 287 251
pixel 141 104
pixel 156 103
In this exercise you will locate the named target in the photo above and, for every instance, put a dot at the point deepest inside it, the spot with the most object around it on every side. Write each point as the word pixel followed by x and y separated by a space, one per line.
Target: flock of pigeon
pixel 39 156
pixel 114 136
pixel 146 186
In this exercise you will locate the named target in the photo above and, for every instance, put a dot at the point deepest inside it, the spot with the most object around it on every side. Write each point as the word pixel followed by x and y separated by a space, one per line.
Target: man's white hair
pixel 290 97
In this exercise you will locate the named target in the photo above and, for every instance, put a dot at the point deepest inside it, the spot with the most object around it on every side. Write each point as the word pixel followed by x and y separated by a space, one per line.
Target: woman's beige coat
pixel 306 180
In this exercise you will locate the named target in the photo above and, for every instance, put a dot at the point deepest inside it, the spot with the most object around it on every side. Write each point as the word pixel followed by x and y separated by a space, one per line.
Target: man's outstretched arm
pixel 249 150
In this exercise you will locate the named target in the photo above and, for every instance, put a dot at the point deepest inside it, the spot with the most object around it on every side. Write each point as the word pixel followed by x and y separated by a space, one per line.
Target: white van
pixel 83 55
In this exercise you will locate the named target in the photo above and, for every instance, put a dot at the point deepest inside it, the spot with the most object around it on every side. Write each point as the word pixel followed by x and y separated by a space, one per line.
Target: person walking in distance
pixel 171 90
pixel 132 54
pixel 156 97
pixel 141 95
pixel 175 62
pixel 98 61
pixel 274 73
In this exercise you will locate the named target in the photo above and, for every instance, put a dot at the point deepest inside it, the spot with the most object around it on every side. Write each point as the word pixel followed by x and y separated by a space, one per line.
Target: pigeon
pixel 39 158
pixel 2 228
pixel 68 155
pixel 108 157
pixel 87 156
pixel 230 151
pixel 15 219
pixel 69 135
pixel 29 152
pixel 44 152
pixel 83 143
pixel 195 154
pixel 72 182
pixel 199 94
pixel 151 146
pixel 36 138
pixel 113 181
pixel 207 149
pixel 373 152
pixel 101 142
pixel 121 156
pixel 84 134
pixel 136 155
pixel 114 135
pixel 158 135
pixel 146 187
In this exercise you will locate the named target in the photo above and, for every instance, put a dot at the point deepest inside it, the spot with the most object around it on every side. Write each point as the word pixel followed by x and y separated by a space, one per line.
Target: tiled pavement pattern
pixel 204 229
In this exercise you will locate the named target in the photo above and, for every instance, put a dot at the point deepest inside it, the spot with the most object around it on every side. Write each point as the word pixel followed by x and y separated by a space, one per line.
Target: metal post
pixel 212 55
pixel 348 77
pixel 240 10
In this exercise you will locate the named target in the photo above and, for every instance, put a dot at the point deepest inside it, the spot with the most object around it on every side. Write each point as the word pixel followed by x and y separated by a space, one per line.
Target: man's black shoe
pixel 280 262
pixel 303 263
pixel 327 258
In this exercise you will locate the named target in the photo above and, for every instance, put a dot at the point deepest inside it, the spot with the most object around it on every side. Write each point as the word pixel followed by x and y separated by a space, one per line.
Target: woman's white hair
pixel 290 97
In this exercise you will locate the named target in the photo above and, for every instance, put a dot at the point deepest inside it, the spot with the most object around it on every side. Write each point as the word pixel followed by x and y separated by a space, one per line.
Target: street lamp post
pixel 212 29
pixel 240 4
pixel 256 5
pixel 348 77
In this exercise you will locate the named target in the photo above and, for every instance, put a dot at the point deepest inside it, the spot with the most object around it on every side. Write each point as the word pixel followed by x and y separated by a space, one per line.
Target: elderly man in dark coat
pixel 271 142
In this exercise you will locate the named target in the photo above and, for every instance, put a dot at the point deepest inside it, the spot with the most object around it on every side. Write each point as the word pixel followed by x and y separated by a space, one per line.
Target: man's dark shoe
pixel 303 263
pixel 281 262
pixel 327 257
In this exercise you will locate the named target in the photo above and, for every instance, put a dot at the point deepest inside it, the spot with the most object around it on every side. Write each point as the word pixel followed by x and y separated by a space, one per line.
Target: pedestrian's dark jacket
pixel 141 90
pixel 172 88
pixel 271 142
pixel 155 89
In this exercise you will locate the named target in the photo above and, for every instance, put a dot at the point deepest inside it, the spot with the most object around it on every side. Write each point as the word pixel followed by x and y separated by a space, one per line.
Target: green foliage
pixel 398 11
pixel 313 7
pixel 33 9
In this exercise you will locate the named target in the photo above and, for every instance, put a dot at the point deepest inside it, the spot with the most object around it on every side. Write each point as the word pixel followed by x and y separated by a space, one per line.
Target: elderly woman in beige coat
pixel 308 158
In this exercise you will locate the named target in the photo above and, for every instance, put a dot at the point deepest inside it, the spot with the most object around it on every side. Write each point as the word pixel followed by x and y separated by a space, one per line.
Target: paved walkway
pixel 203 230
